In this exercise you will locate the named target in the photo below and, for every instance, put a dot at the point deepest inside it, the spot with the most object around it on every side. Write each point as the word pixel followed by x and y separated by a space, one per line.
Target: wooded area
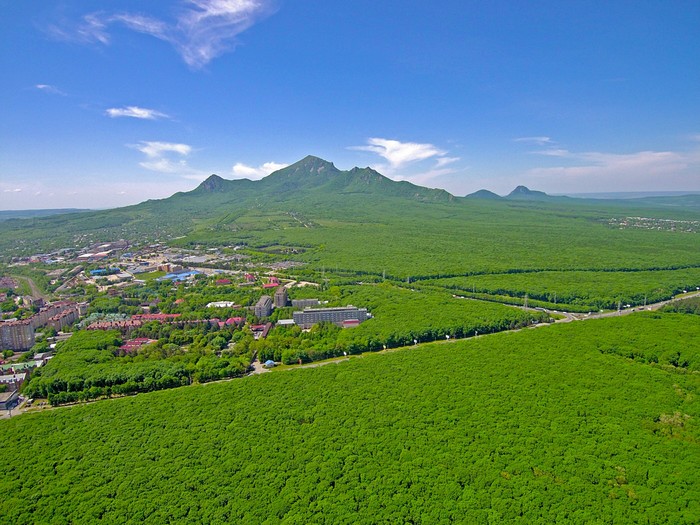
pixel 538 426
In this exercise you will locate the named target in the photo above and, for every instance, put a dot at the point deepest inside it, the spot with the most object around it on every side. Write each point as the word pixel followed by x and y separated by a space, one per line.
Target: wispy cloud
pixel 645 170
pixel 12 190
pixel 200 31
pixel 47 88
pixel 164 157
pixel 135 112
pixel 407 160
pixel 399 154
pixel 242 171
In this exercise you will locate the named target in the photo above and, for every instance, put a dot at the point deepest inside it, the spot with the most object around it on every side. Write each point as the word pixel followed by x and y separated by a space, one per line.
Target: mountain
pixel 311 188
pixel 524 193
pixel 484 194
pixel 314 176
pixel 214 184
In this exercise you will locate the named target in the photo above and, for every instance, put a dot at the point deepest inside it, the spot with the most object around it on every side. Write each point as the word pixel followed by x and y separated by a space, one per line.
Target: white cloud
pixel 135 112
pixel 398 154
pixel 47 88
pixel 13 190
pixel 406 160
pixel 165 157
pixel 201 31
pixel 241 170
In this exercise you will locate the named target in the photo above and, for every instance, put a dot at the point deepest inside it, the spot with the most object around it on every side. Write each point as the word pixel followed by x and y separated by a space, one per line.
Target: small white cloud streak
pixel 539 141
pixel 201 31
pixel 135 112
pixel 553 152
pixel 47 88
pixel 154 149
pixel 243 171
pixel 444 161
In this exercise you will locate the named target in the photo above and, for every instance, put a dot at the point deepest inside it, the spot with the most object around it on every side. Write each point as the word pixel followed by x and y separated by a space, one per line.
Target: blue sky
pixel 110 103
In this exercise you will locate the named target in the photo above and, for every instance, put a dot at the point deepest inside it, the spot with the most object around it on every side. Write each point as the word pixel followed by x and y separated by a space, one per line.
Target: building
pixel 263 308
pixel 8 400
pixel 14 381
pixel 338 316
pixel 305 303
pixel 17 335
pixel 281 297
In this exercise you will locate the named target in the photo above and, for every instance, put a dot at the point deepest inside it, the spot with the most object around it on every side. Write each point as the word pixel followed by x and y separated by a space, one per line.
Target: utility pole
pixel 525 302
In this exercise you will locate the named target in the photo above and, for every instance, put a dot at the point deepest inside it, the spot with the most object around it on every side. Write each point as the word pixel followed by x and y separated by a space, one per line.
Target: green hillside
pixel 358 223
pixel 572 423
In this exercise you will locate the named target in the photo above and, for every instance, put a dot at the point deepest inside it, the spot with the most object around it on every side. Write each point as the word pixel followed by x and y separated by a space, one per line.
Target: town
pixel 140 294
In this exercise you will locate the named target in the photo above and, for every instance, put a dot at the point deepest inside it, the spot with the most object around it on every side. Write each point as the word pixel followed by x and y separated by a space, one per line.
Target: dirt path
pixel 35 290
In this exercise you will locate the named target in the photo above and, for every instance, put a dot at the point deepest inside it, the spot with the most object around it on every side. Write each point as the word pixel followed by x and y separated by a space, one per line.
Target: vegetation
pixel 588 289
pixel 538 426
pixel 91 365
pixel 685 306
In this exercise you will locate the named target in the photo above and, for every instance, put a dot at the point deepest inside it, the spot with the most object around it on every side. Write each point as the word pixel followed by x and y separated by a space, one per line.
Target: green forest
pixel 545 425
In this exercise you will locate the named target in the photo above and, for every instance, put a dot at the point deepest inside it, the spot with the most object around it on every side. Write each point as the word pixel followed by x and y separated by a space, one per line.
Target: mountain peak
pixel 523 192
pixel 213 184
pixel 316 164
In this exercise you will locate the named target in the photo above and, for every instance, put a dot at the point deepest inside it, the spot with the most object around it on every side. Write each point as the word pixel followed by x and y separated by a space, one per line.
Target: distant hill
pixel 28 214
pixel 483 194
pixel 524 193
